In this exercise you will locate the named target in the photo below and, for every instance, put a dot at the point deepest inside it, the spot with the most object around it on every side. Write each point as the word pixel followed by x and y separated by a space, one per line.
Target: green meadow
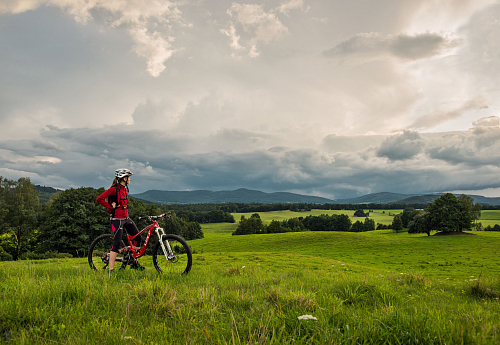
pixel 376 287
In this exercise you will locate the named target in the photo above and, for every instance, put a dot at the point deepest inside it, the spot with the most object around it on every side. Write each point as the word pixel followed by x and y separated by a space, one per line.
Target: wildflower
pixel 307 317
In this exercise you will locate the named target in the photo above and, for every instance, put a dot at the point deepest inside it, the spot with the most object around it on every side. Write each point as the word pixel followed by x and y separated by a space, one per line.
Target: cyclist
pixel 115 199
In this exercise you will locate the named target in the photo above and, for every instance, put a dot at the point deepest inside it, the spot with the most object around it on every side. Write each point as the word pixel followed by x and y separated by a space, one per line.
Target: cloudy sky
pixel 331 98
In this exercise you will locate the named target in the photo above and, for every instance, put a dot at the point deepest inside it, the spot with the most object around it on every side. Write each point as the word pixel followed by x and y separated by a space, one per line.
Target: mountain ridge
pixel 243 195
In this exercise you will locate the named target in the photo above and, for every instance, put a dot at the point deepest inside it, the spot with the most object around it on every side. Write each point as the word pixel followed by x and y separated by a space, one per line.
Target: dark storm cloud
pixel 401 147
pixel 417 163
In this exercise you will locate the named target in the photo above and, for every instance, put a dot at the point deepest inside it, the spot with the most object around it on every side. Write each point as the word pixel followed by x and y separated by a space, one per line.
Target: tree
pixel 369 224
pixel 397 224
pixel 358 226
pixel 275 227
pixel 253 225
pixel 20 199
pixel 360 213
pixel 74 219
pixel 408 215
pixel 449 213
pixel 469 212
pixel 420 224
pixel 6 187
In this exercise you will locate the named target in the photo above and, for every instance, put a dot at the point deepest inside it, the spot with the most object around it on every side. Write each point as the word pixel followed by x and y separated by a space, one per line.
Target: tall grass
pixel 242 298
pixel 357 288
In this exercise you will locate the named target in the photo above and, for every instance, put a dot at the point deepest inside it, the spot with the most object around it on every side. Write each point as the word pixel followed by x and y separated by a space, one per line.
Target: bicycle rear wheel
pixel 178 261
pixel 99 253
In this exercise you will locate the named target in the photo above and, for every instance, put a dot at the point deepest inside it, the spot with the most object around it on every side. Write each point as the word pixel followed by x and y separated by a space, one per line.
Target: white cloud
pixel 291 5
pixel 262 26
pixel 136 15
pixel 153 47
pixel 444 115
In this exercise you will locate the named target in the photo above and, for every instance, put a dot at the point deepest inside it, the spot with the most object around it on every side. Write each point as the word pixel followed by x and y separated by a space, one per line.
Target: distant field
pixel 453 257
pixel 379 216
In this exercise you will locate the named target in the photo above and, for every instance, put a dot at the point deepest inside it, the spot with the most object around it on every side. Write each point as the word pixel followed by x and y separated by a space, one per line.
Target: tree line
pixel 447 213
pixel 68 221
pixel 323 222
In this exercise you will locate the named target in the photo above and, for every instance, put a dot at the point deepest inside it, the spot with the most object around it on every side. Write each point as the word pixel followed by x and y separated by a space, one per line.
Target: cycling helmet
pixel 121 173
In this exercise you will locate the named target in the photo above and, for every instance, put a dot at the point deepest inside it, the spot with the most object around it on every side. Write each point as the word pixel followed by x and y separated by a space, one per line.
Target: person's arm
pixel 101 199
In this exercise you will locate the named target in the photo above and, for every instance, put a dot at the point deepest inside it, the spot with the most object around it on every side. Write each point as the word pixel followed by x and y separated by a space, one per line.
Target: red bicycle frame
pixel 137 254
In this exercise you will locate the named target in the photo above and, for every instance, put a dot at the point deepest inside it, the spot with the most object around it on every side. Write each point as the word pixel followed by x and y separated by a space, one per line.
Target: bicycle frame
pixel 159 231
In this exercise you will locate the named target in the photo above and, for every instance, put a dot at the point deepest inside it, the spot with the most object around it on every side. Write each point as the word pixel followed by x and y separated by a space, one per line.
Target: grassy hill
pixel 370 288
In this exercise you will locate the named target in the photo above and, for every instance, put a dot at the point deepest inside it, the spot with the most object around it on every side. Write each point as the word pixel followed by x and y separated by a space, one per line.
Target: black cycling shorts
pixel 117 225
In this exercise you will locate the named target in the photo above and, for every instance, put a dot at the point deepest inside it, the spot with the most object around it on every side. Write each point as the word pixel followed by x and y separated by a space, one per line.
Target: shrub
pixel 4 256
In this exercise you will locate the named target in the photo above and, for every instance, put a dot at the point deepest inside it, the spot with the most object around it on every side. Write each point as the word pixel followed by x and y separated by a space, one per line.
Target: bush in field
pixel 397 224
pixel 361 213
pixel 4 256
pixel 252 225
pixel 495 227
pixel 324 222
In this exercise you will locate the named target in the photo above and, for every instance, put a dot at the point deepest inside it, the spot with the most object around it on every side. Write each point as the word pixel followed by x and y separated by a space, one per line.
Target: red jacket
pixel 121 207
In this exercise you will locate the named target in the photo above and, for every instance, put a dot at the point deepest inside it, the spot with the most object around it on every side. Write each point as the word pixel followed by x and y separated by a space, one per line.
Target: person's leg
pixel 132 230
pixel 117 236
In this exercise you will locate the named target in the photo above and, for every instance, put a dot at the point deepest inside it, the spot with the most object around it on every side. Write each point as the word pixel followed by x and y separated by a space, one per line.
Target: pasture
pixel 377 287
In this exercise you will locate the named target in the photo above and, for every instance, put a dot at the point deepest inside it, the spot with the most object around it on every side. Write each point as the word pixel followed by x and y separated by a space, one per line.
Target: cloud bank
pixel 324 98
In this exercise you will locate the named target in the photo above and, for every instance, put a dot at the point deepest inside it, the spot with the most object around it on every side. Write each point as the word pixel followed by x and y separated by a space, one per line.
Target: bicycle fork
pixel 169 254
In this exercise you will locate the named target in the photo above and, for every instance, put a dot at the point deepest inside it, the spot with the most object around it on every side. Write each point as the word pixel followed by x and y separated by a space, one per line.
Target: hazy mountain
pixel 423 199
pixel 244 195
pixel 375 198
pixel 241 195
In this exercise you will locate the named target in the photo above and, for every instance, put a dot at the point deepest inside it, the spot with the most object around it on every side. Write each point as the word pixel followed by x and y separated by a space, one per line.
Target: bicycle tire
pixel 101 246
pixel 180 264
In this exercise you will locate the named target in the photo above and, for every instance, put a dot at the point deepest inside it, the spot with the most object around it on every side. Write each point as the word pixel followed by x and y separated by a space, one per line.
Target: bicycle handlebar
pixel 164 215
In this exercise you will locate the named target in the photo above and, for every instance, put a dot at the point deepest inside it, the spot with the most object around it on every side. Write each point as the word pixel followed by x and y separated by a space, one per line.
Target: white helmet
pixel 121 173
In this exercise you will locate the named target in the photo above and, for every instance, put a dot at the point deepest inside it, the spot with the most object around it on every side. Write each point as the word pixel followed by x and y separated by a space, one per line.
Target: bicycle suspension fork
pixel 169 254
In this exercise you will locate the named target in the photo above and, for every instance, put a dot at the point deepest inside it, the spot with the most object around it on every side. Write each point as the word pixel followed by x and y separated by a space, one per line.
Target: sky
pixel 337 98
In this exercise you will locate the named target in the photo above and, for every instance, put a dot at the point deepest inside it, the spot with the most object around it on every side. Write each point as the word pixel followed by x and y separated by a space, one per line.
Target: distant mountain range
pixel 244 195
pixel 241 195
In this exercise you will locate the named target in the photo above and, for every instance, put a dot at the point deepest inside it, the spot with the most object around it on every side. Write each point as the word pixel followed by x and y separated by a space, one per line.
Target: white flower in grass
pixel 243 267
pixel 307 317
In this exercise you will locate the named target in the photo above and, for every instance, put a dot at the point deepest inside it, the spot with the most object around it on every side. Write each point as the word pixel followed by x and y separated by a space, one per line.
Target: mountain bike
pixel 171 254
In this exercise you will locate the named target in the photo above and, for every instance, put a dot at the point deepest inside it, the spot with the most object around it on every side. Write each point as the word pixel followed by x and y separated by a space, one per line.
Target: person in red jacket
pixel 115 199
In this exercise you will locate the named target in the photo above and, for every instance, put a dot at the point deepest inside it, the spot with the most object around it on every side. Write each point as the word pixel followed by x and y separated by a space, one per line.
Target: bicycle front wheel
pixel 99 253
pixel 177 258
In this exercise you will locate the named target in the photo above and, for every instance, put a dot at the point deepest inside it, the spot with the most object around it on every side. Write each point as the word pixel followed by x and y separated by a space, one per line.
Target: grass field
pixel 377 287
